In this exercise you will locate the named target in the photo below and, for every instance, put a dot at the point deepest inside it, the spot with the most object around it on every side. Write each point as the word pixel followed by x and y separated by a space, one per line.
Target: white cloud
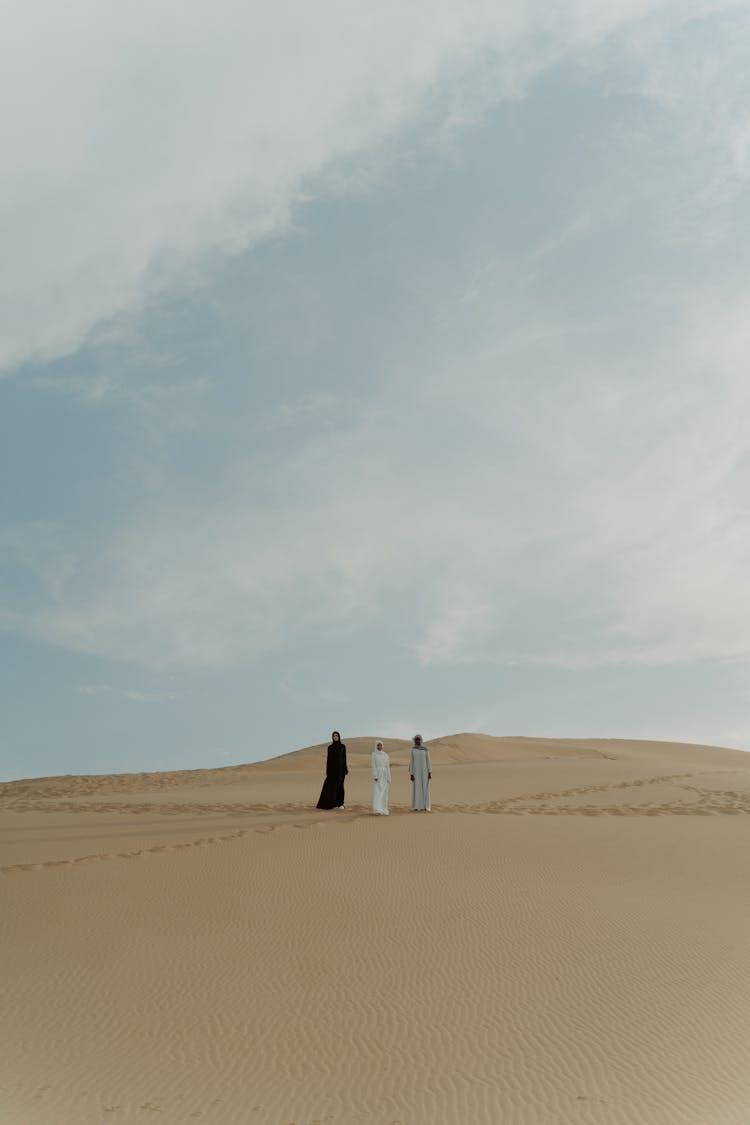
pixel 461 618
pixel 613 527
pixel 559 487
pixel 139 142
pixel 313 408
pixel 134 695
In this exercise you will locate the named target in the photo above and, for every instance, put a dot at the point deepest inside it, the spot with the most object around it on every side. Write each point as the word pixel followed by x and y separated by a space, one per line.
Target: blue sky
pixel 372 370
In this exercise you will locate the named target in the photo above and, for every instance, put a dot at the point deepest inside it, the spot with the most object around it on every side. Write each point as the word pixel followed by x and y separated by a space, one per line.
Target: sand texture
pixel 564 939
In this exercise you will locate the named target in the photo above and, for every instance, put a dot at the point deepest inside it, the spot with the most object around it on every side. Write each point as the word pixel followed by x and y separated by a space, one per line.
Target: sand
pixel 564 939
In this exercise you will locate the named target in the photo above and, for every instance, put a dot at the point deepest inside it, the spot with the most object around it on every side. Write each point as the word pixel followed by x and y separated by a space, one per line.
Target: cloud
pixel 545 477
pixel 599 519
pixel 314 408
pixel 127 693
pixel 461 618
pixel 141 144
pixel 150 696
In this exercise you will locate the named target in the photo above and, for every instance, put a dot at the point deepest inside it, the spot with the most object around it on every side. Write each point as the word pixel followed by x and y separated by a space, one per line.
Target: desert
pixel 562 940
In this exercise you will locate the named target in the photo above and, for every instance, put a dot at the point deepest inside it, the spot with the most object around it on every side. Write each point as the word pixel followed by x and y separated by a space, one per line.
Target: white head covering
pixel 379 744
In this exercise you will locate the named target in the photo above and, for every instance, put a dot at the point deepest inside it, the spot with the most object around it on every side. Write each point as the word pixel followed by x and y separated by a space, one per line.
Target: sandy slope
pixel 564 939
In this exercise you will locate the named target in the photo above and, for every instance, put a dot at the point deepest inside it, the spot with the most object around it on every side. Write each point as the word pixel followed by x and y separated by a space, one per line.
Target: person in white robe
pixel 381 780
pixel 420 772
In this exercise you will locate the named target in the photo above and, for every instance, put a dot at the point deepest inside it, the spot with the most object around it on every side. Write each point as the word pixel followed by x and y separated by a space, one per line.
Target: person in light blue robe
pixel 420 771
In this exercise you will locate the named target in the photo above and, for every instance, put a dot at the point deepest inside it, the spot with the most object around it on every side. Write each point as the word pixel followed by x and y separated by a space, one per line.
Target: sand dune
pixel 563 940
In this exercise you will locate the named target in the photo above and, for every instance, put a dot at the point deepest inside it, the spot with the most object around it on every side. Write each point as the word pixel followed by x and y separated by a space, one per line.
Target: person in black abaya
pixel 332 793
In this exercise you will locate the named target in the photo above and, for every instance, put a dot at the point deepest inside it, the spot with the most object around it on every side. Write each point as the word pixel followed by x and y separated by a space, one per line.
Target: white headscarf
pixel 378 744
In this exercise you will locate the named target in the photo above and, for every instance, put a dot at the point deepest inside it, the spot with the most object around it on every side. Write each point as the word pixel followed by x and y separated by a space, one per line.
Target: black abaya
pixel 332 793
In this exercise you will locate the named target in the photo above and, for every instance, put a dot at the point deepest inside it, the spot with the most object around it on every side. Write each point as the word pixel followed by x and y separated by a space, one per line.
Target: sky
pixel 373 368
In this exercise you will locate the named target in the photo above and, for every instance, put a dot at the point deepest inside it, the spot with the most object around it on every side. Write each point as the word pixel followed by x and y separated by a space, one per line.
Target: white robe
pixel 381 779
pixel 419 767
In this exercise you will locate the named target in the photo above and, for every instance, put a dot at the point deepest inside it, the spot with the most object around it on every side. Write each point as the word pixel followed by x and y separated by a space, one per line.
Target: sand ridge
pixel 562 940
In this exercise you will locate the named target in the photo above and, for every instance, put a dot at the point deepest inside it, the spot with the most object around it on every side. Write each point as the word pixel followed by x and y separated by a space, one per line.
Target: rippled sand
pixel 563 939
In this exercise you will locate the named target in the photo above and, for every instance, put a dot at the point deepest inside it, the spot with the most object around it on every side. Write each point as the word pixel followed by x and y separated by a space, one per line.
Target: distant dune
pixel 563 940
pixel 449 748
